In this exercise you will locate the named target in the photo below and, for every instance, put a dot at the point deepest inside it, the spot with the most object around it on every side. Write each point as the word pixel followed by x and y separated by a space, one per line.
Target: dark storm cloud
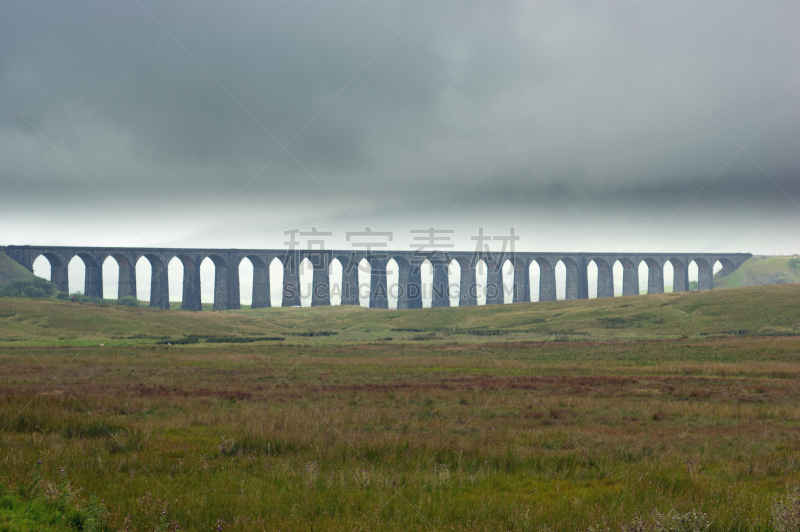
pixel 381 129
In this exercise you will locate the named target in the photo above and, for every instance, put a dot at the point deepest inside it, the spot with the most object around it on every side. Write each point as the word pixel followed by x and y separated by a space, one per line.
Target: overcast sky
pixel 585 125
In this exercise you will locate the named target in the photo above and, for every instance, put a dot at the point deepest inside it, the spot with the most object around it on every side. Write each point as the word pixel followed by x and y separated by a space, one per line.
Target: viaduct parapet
pixel 226 280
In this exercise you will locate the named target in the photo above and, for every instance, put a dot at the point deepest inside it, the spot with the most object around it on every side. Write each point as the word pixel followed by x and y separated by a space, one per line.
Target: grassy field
pixel 571 415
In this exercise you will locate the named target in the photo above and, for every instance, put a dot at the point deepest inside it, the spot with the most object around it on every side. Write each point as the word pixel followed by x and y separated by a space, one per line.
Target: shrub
pixel 34 291
pixel 80 297
pixel 128 301
pixel 794 263
pixel 37 287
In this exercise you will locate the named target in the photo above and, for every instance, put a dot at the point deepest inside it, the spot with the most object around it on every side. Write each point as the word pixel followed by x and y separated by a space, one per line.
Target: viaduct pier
pixel 226 281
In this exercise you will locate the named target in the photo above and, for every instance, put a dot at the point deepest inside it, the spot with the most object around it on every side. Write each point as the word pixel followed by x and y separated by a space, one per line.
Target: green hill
pixel 761 270
pixel 11 269
pixel 760 310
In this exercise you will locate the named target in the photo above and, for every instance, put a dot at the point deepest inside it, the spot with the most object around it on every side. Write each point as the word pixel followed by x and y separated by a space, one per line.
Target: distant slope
pixel 760 310
pixel 11 269
pixel 761 270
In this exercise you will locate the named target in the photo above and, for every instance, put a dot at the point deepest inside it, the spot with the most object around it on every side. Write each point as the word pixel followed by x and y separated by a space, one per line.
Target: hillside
pixel 11 269
pixel 761 270
pixel 763 310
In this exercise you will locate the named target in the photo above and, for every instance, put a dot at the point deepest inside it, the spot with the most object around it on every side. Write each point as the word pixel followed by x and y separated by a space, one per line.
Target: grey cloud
pixel 627 128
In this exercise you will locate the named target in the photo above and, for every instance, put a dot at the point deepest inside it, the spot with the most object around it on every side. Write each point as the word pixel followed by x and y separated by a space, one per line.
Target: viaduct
pixel 226 281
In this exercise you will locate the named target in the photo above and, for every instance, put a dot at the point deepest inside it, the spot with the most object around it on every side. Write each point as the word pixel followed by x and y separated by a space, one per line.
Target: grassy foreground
pixel 551 416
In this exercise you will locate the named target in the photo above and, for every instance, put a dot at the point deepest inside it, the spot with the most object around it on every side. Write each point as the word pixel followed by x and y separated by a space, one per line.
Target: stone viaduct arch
pixel 468 284
pixel 494 281
pixel 521 286
pixel 226 273
pixel 547 279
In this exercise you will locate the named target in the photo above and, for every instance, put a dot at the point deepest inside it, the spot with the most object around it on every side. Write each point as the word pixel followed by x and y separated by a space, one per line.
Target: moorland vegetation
pixel 664 412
